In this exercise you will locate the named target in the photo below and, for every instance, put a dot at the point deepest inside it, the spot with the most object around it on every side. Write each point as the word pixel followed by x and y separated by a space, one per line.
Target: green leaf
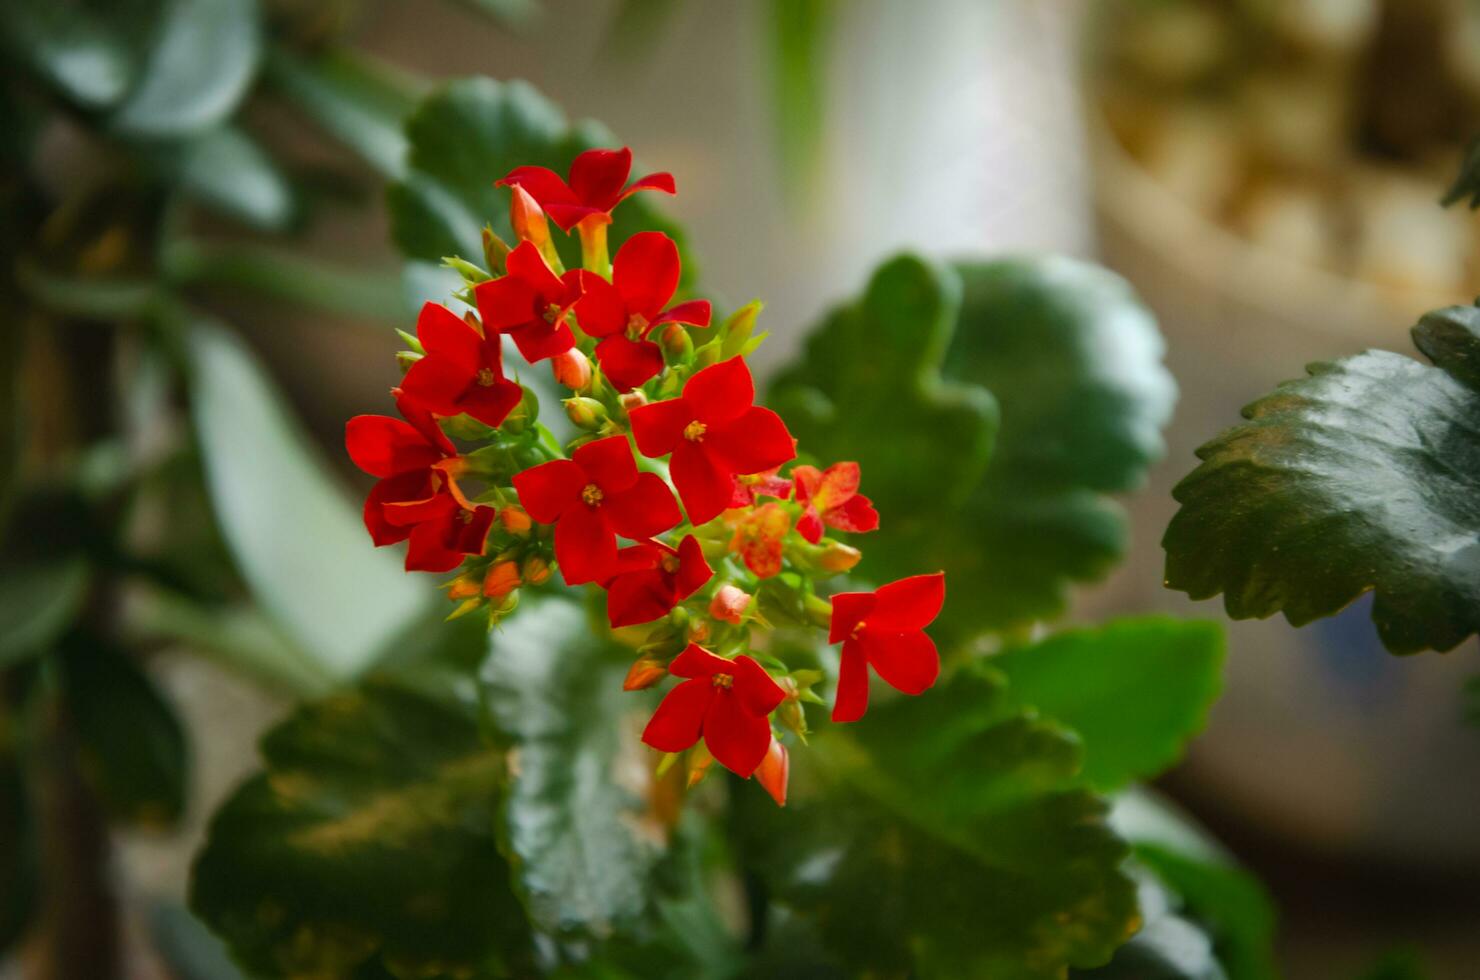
pixel 1071 362
pixel 1170 670
pixel 227 170
pixel 71 47
pixel 131 744
pixel 943 836
pixel 469 133
pixel 555 690
pixel 297 539
pixel 1210 888
pixel 38 601
pixel 358 101
pixel 198 68
pixel 367 841
pixel 1167 947
pixel 1364 476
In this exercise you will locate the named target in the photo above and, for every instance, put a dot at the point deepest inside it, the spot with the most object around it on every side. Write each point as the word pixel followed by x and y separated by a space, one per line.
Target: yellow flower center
pixel 486 377
pixel 591 495
pixel 724 680
pixel 858 629
pixel 636 324
pixel 669 563
pixel 694 431
pixel 552 313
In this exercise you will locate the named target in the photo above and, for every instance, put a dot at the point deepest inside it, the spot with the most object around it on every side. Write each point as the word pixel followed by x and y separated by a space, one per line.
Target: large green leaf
pixel 469 133
pixel 367 842
pixel 198 67
pixel 555 689
pixel 298 540
pixel 1363 476
pixel 1071 360
pixel 131 744
pixel 1134 691
pixel 1168 946
pixel 71 47
pixel 943 836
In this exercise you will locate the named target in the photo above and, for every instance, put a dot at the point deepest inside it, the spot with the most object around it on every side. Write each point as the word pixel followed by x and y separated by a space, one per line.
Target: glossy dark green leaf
pixel 555 689
pixel 356 100
pixel 943 837
pixel 38 601
pixel 469 133
pixel 298 540
pixel 1134 691
pixel 131 744
pixel 71 46
pixel 1072 362
pixel 1364 476
pixel 199 65
pixel 367 841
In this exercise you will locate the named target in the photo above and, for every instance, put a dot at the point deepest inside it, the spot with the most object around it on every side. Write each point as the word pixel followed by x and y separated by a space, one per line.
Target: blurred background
pixel 1266 173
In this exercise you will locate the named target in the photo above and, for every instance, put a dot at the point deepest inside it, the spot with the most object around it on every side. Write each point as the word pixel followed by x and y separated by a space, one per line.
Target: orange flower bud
pixel 676 342
pixel 515 520
pixel 503 578
pixel 572 369
pixel 729 604
pixel 699 632
pixel 536 570
pixel 528 219
pixel 774 771
pixel 838 557
pixel 644 673
pixel 464 587
pixel 699 762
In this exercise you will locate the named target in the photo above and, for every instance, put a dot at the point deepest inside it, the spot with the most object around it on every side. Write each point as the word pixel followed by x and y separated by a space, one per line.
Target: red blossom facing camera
pixel 714 432
pixel 651 578
pixel 885 630
pixel 830 498
pixel 597 183
pixel 462 372
pixel 724 701
pixel 530 304
pixel 591 498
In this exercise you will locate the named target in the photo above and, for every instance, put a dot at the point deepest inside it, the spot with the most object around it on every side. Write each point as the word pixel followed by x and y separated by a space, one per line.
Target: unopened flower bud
pixel 515 520
pixel 502 606
pixel 644 673
pixel 536 570
pixel 838 557
pixel 528 219
pixel 699 632
pixel 706 356
pixel 774 771
pixel 699 762
pixel 465 586
pixel 729 604
pixel 676 342
pixel 406 358
pixel 503 578
pixel 572 369
pixel 633 399
pixel 585 413
pixel 495 250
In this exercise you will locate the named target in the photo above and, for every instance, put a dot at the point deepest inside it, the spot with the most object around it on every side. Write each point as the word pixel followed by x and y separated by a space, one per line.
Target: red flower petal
pixel 696 312
pixel 434 383
pixel 646 272
pixel 383 446
pixel 597 176
pixel 757 690
pixel 658 428
pixel 755 441
pixel 652 182
pixel 446 335
pixel 852 695
pixel 680 718
pixel 505 303
pixel 704 487
pixel 568 216
pixel 693 570
pixel 492 404
pixel 810 526
pixel 639 597
pixel 857 515
pixel 629 363
pixel 608 464
pixel 585 546
pixel 545 491
pixel 540 340
pixel 601 309
pixel 736 738
pixel 909 604
pixel 695 661
pixel 407 486
pixel 839 483
pixel 849 609
pixel 428 550
pixel 807 479
pixel 908 662
pixel 472 533
pixel 644 509
pixel 542 183
pixel 437 507
pixel 720 392
pixel 526 264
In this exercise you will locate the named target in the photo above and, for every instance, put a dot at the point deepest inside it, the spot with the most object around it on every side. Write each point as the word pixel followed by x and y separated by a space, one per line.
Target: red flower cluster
pixel 692 585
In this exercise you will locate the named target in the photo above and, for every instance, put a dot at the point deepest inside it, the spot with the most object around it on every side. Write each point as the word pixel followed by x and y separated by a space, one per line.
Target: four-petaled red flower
pixel 624 311
pixel 591 498
pixel 597 183
pixel 417 496
pixel 651 578
pixel 724 701
pixel 885 630
pixel 462 372
pixel 530 304
pixel 831 497
pixel 715 433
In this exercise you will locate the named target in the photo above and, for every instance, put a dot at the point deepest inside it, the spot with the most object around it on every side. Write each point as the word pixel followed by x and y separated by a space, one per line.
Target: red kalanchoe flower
pixel 715 433
pixel 597 183
pixel 651 578
pixel 462 372
pixel 754 485
pixel 417 496
pixel 591 498
pixel 624 311
pixel 830 497
pixel 724 701
pixel 760 535
pixel 530 304
pixel 885 630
